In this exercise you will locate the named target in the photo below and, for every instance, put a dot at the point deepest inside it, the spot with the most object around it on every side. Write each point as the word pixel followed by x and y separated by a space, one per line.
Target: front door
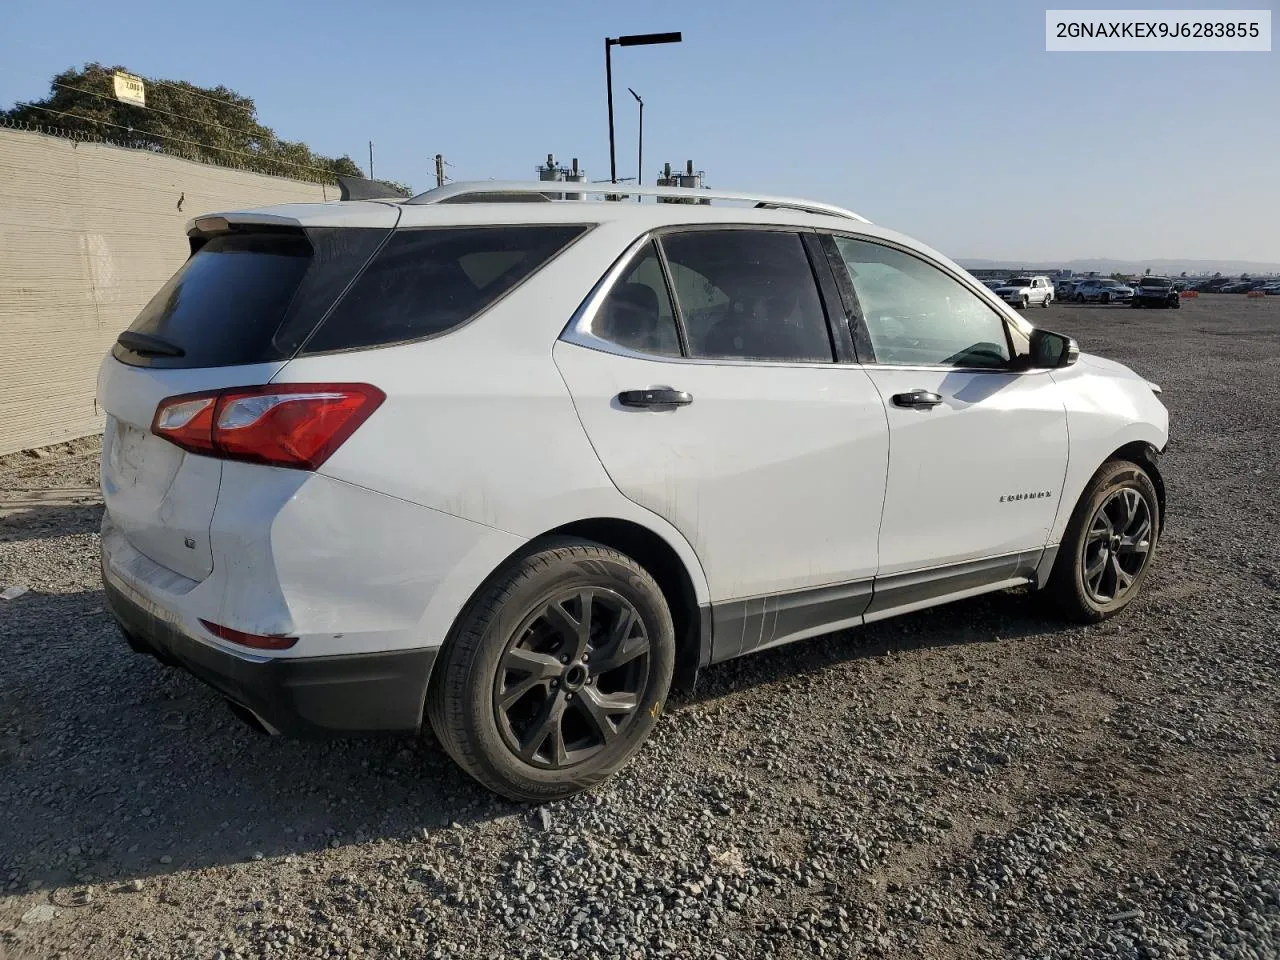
pixel 729 417
pixel 978 451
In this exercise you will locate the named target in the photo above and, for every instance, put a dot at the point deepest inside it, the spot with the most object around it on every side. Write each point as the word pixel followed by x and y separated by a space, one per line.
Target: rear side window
pixel 226 302
pixel 424 282
pixel 748 295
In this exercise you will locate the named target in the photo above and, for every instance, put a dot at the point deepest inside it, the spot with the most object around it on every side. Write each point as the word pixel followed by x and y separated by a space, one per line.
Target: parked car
pixel 994 284
pixel 1272 289
pixel 1102 290
pixel 1213 284
pixel 1024 291
pixel 1156 292
pixel 514 469
pixel 1236 286
pixel 1062 288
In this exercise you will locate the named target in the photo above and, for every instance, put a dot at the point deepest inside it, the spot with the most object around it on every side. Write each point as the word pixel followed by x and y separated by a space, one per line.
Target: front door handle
pixel 660 398
pixel 917 399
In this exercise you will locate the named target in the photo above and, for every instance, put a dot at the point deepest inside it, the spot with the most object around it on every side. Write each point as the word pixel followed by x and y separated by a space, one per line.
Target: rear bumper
pixel 298 696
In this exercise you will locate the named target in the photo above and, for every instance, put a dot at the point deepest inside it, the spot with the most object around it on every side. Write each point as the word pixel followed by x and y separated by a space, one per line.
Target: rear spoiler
pixel 358 188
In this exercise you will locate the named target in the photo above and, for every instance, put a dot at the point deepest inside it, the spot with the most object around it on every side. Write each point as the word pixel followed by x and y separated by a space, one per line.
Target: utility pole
pixel 439 170
pixel 370 159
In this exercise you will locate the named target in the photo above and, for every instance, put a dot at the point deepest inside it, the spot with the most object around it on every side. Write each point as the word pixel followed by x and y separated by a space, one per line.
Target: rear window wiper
pixel 145 343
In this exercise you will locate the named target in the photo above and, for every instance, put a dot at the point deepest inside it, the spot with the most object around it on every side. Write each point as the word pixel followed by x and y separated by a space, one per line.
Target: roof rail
pixel 505 191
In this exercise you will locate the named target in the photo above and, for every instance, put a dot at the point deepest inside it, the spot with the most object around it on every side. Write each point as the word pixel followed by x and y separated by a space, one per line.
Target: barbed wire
pixel 81 136
pixel 195 143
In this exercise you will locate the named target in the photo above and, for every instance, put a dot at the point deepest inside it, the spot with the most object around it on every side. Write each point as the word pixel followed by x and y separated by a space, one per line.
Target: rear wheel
pixel 1105 298
pixel 1107 548
pixel 1045 302
pixel 1026 302
pixel 556 674
pixel 1079 298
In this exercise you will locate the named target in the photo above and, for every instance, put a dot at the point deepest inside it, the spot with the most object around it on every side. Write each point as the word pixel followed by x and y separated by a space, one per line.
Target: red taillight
pixel 253 640
pixel 295 425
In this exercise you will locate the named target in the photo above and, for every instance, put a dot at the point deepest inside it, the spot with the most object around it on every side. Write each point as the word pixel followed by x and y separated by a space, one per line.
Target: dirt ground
pixel 976 780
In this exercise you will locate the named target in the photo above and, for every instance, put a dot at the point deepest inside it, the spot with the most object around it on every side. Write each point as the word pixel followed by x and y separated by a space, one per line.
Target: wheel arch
pixel 1148 457
pixel 692 621
pixel 690 617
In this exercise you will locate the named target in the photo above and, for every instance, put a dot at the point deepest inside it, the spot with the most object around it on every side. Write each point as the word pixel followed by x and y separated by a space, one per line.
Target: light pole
pixel 636 40
pixel 640 146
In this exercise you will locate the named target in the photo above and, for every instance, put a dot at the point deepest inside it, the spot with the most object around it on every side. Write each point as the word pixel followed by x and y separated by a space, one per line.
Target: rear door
pixel 231 316
pixel 726 413
pixel 978 450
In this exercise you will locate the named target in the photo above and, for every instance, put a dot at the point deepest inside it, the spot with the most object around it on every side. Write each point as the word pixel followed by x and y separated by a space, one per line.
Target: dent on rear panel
pixel 337 558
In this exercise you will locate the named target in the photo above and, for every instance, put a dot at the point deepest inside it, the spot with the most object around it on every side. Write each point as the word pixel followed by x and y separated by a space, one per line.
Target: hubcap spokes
pixel 572 678
pixel 1117 545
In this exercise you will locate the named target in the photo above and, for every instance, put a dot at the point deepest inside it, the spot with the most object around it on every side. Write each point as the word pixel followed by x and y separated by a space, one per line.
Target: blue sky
pixel 947 121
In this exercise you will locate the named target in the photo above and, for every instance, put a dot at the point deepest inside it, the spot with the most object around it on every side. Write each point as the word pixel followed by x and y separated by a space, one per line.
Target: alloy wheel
pixel 1117 545
pixel 572 677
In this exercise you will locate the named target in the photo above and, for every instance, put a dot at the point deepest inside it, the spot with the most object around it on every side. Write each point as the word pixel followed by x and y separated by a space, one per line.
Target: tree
pixel 212 124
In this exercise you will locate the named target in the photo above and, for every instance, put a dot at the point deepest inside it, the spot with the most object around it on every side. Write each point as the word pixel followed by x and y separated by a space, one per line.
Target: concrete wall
pixel 88 233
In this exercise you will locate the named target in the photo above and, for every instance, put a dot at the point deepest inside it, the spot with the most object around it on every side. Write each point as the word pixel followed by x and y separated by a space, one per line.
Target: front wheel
pixel 1079 298
pixel 1045 302
pixel 1105 298
pixel 1107 548
pixel 1025 303
pixel 556 673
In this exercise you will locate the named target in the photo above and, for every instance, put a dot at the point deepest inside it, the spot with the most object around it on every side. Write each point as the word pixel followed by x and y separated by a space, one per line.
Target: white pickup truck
pixel 1024 291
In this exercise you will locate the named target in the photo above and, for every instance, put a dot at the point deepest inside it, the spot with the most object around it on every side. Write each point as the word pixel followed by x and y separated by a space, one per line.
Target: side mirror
pixel 1051 350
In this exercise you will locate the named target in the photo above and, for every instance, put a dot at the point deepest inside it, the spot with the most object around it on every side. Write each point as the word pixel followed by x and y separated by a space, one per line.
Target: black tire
pixel 464 703
pixel 1105 298
pixel 1067 590
pixel 1079 298
pixel 1025 303
pixel 1045 303
pixel 1135 304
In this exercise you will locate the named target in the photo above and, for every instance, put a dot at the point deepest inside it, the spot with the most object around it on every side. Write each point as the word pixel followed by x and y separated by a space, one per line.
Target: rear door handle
pixel 655 398
pixel 917 399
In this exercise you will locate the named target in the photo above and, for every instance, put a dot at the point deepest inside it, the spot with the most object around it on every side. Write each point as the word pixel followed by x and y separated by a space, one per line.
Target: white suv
pixel 1024 291
pixel 521 467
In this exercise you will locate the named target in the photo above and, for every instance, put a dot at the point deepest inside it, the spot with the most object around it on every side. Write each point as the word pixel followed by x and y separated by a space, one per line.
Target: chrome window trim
pixel 578 330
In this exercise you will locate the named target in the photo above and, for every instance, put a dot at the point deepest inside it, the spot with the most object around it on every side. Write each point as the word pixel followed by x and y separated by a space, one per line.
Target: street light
pixel 640 147
pixel 636 40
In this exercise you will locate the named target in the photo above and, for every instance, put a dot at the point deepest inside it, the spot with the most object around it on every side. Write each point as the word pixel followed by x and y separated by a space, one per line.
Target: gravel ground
pixel 970 781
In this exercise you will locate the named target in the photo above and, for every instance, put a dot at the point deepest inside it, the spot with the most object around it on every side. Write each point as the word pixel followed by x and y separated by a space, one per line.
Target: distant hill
pixel 1103 265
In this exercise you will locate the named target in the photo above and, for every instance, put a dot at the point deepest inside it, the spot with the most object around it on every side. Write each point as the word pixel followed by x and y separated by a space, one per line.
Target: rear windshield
pixel 226 302
pixel 1156 282
pixel 1020 282
pixel 259 294
pixel 426 281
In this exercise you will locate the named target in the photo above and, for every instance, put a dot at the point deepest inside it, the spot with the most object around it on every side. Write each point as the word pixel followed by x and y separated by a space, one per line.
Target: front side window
pixel 748 295
pixel 916 314
pixel 637 312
